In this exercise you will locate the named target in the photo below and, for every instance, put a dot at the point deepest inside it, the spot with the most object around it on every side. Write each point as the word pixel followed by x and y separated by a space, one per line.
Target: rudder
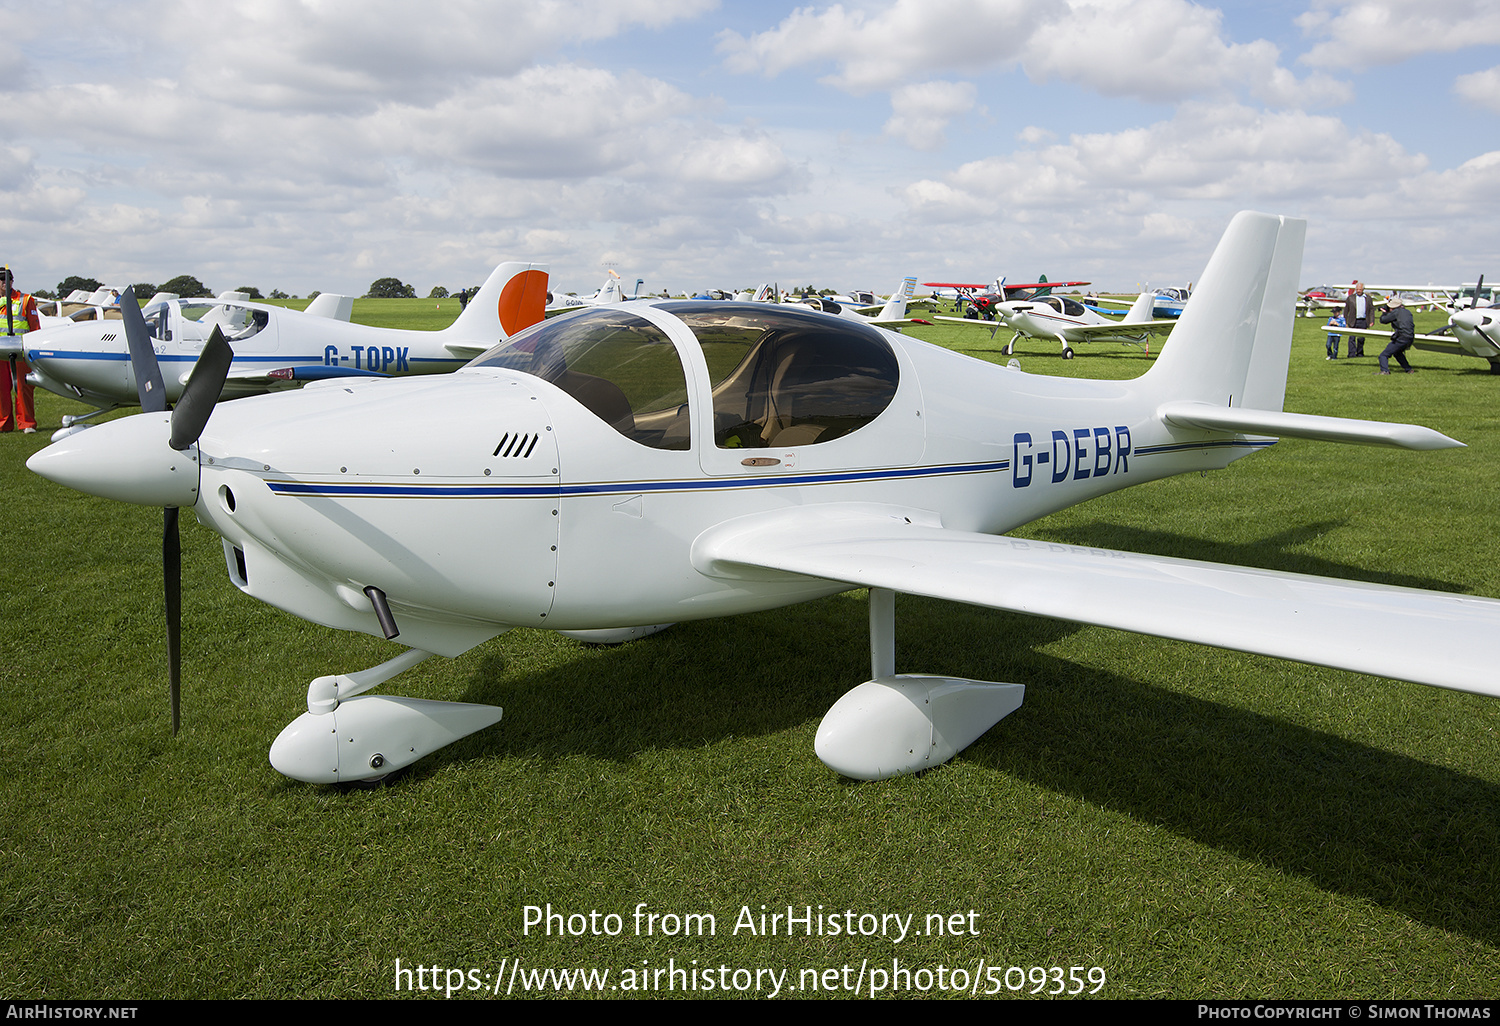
pixel 1233 341
pixel 512 298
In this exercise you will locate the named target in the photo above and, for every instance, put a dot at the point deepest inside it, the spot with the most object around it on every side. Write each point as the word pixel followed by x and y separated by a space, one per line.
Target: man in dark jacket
pixel 1359 311
pixel 1403 334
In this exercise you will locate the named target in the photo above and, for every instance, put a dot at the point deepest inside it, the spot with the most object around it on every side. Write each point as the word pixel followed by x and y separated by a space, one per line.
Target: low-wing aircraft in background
pixel 275 347
pixel 1071 323
pixel 607 294
pixel 981 300
pixel 669 460
pixel 889 312
pixel 1165 302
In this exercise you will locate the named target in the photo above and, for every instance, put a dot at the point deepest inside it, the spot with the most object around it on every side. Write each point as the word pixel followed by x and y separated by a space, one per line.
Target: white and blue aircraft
pixel 889 312
pixel 611 292
pixel 274 347
pixel 669 460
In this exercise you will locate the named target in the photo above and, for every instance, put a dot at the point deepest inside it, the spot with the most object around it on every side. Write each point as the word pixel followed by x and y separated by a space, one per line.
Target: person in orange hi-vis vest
pixel 17 317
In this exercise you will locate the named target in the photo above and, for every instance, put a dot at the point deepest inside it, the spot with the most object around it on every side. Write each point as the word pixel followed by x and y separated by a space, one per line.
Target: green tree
pixel 251 291
pixel 278 294
pixel 438 292
pixel 185 285
pixel 72 282
pixel 390 288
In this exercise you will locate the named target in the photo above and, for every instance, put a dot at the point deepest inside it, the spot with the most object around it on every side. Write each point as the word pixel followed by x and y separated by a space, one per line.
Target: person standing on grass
pixel 18 317
pixel 1358 312
pixel 1336 321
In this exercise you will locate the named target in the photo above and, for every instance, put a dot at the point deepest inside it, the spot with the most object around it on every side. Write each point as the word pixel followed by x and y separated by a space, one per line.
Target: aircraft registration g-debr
pixel 651 462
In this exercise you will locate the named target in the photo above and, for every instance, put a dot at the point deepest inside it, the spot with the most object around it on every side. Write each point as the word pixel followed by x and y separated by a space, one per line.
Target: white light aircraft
pixel 981 299
pixel 673 460
pixel 275 347
pixel 1165 302
pixel 891 312
pixel 609 293
pixel 1472 330
pixel 1071 323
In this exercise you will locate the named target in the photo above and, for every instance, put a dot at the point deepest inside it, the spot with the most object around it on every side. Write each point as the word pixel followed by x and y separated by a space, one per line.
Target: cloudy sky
pixel 320 144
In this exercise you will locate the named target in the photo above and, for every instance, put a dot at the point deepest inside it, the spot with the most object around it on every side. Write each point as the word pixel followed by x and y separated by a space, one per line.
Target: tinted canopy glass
pixel 618 365
pixel 783 377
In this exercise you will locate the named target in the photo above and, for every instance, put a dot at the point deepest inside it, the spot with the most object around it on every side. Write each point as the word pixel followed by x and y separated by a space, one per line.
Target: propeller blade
pixel 171 568
pixel 201 393
pixel 1477 289
pixel 148 383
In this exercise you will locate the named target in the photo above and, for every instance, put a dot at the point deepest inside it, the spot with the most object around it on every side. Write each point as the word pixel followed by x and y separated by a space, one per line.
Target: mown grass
pixel 1198 823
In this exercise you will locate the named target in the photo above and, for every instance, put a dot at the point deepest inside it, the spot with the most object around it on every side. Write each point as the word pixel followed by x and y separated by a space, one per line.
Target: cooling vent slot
pixel 517 445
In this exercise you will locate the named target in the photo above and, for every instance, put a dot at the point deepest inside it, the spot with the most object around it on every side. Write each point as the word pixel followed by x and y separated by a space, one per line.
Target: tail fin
pixel 1233 341
pixel 610 292
pixel 1046 290
pixel 331 305
pixel 895 307
pixel 511 299
pixel 1140 310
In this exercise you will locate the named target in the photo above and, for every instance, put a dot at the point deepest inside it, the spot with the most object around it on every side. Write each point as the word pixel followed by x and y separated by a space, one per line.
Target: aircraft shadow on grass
pixel 1350 818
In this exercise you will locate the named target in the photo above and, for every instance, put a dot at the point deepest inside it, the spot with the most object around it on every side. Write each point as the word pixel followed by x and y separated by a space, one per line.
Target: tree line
pixel 189 287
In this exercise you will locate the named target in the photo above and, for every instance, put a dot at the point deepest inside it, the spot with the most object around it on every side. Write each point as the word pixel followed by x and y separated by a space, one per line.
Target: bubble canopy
pixel 777 376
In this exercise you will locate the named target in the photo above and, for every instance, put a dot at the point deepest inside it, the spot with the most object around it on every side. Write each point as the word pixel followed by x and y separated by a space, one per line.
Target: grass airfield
pixel 1196 823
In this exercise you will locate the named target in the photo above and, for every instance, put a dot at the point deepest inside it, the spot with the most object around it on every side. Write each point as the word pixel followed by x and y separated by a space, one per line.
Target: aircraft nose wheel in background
pixel 1068 354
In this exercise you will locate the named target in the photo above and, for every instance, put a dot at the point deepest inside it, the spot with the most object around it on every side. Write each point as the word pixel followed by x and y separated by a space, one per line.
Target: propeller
pixel 199 396
pixel 1477 290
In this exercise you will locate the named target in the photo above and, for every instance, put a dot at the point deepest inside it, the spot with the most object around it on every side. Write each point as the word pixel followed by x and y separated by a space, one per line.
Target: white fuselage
pixel 89 360
pixel 490 498
pixel 1061 318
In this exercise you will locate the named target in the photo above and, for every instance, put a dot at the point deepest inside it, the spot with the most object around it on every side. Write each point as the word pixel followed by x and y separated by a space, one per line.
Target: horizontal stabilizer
pixel 1303 425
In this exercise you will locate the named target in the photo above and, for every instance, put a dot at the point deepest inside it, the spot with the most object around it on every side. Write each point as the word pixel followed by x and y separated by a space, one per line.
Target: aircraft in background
pixel 1165 303
pixel 609 293
pixel 659 461
pixel 275 347
pixel 1472 330
pixel 981 300
pixel 885 312
pixel 1321 297
pixel 1071 323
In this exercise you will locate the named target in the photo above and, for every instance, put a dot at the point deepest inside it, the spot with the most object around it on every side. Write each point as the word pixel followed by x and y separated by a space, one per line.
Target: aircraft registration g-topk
pixel 669 460
pixel 275 347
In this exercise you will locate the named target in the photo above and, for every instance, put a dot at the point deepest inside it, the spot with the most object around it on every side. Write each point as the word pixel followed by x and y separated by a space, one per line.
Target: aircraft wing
pixel 1242 608
pixel 1428 343
pixel 1116 327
